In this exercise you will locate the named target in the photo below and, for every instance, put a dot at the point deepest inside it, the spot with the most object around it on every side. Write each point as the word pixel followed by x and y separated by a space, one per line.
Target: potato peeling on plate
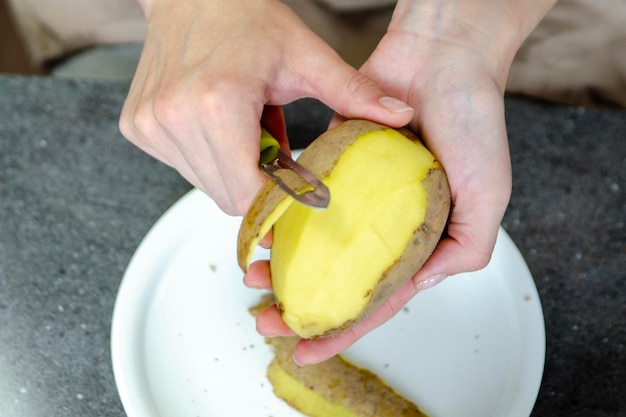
pixel 334 387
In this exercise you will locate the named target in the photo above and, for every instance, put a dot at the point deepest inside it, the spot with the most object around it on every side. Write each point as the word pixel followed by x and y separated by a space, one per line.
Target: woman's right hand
pixel 207 71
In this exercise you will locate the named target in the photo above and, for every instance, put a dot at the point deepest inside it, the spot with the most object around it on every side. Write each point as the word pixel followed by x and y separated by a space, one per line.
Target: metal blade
pixel 314 194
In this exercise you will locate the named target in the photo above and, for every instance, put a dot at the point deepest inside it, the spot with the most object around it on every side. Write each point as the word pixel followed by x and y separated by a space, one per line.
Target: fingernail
pixel 298 364
pixel 430 282
pixel 394 105
pixel 269 335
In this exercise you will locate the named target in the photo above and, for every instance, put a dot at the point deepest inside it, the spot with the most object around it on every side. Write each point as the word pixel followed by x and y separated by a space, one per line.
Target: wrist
pixel 491 29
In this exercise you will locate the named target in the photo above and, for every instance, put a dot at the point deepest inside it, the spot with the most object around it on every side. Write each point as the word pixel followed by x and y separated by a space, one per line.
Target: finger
pixel 472 231
pixel 266 241
pixel 258 276
pixel 314 351
pixel 270 324
pixel 198 162
pixel 453 255
pixel 471 234
pixel 352 94
pixel 232 131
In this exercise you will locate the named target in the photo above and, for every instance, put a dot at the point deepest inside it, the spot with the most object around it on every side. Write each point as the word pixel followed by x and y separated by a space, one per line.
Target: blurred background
pixel 576 56
pixel 13 55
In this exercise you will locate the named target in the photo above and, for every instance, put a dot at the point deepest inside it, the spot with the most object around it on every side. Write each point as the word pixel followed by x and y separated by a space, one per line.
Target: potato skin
pixel 266 200
pixel 339 381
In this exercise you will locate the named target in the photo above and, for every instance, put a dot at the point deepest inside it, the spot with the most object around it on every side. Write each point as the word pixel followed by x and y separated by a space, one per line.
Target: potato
pixel 389 205
pixel 333 388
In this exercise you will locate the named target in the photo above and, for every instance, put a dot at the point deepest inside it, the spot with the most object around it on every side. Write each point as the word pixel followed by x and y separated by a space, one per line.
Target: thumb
pixel 354 95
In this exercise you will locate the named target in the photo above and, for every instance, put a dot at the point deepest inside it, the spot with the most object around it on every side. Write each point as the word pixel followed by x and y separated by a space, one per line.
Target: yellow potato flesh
pixel 326 263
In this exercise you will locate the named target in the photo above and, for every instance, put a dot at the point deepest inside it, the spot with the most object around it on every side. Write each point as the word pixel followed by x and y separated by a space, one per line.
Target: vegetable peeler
pixel 310 191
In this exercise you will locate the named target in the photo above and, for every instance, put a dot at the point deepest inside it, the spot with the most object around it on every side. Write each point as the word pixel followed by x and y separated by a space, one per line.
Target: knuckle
pixel 214 97
pixel 358 83
pixel 231 199
pixel 125 126
pixel 480 260
pixel 239 206
pixel 173 107
pixel 168 106
pixel 230 207
pixel 143 121
pixel 137 124
pixel 478 253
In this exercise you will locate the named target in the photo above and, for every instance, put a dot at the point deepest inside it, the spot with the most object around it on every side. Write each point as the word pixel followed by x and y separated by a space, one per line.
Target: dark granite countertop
pixel 76 199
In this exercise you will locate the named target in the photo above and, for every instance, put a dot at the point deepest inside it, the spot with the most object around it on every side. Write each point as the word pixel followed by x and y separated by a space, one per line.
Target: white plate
pixel 184 344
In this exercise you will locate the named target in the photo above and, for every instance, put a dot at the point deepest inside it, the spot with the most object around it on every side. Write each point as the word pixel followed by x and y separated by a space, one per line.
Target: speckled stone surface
pixel 76 199
pixel 567 215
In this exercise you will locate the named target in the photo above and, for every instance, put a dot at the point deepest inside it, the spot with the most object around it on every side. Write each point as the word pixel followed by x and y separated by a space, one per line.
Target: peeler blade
pixel 313 194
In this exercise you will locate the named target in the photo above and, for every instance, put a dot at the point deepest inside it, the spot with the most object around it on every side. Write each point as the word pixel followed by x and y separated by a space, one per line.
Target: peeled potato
pixel 389 205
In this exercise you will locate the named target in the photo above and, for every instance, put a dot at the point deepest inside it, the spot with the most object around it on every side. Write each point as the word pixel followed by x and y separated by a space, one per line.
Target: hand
pixel 453 73
pixel 207 71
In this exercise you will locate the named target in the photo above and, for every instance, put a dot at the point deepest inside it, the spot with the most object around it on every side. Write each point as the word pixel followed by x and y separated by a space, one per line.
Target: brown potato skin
pixel 320 158
pixel 339 381
pixel 268 197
